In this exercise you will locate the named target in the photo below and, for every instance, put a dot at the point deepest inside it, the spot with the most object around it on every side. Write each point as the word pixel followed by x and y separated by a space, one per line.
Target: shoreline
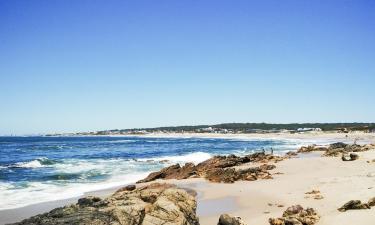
pixel 339 182
pixel 324 135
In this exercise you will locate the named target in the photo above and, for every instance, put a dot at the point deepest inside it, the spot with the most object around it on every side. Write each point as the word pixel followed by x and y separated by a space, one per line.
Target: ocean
pixel 40 169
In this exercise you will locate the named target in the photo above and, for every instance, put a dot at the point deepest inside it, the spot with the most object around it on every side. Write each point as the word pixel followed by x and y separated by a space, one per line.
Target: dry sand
pixel 256 201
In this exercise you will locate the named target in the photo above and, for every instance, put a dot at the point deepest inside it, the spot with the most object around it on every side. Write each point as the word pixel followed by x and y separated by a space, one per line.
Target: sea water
pixel 39 169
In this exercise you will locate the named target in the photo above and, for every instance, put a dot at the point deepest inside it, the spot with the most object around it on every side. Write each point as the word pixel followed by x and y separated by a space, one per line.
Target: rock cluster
pixel 357 204
pixel 336 149
pixel 296 215
pixel 315 194
pixel 226 219
pixel 155 204
pixel 219 169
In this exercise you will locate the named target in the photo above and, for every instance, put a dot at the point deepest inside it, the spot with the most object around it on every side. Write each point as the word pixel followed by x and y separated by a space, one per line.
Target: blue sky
pixel 91 65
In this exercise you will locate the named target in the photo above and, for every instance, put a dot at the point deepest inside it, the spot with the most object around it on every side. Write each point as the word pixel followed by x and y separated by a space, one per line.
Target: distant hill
pixel 249 128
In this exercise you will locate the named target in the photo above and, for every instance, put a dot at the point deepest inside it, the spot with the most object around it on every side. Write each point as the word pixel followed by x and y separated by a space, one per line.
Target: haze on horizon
pixel 68 66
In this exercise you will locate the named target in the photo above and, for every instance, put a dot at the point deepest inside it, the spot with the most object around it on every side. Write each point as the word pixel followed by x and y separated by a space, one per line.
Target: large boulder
pixel 296 215
pixel 226 219
pixel 155 204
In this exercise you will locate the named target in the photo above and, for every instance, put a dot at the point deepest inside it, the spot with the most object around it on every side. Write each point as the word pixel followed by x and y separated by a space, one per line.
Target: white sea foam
pixel 195 158
pixel 31 164
pixel 13 197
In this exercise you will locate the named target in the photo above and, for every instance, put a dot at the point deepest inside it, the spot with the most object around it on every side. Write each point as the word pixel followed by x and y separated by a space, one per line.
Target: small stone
pixel 313 192
pixel 318 197
pixel 371 202
pixel 226 219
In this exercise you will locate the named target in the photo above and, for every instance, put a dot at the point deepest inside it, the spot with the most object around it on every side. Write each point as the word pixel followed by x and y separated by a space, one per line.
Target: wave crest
pixel 196 157
pixel 37 163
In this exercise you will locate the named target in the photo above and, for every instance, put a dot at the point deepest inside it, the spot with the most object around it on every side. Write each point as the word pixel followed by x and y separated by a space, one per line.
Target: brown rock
pixel 371 202
pixel 311 148
pixel 172 172
pixel 313 192
pixel 291 154
pixel 130 187
pixel 225 219
pixel 337 149
pixel 219 169
pixel 318 197
pixel 88 201
pixel 155 204
pixel 354 156
pixel 354 204
pixel 296 215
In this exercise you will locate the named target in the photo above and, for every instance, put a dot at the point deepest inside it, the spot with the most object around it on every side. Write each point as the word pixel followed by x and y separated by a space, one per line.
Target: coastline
pixel 338 182
pixel 327 137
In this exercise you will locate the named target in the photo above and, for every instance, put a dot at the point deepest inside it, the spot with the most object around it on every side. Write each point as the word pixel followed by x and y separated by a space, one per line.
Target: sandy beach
pixel 256 201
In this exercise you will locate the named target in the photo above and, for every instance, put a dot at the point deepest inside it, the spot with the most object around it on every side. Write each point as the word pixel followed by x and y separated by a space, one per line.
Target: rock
pixel 334 152
pixel 313 192
pixel 219 175
pixel 291 154
pixel 353 204
pixel 311 148
pixel 130 187
pixel 230 175
pixel 172 172
pixel 225 219
pixel 296 215
pixel 155 204
pixel 88 201
pixel 338 145
pixel 354 156
pixel 219 169
pixel 371 202
pixel 318 197
pixel 267 167
pixel 351 157
pixel 336 149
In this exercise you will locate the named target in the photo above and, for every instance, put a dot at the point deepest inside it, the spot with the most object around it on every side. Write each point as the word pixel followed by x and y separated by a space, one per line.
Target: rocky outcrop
pixel 230 175
pixel 226 219
pixel 354 204
pixel 296 215
pixel 311 148
pixel 336 149
pixel 219 169
pixel 155 204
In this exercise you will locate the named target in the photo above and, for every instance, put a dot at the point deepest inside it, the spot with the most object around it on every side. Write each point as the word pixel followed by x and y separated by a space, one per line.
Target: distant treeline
pixel 244 127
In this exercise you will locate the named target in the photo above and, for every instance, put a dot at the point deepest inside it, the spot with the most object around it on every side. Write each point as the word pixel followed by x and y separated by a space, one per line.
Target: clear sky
pixel 90 65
